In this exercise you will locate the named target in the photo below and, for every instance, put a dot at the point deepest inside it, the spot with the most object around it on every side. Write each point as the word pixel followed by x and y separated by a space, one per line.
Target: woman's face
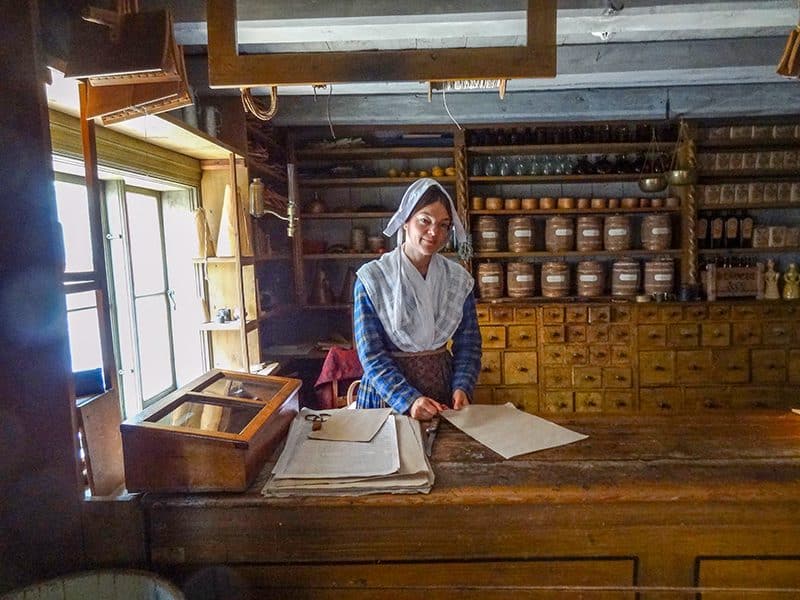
pixel 428 228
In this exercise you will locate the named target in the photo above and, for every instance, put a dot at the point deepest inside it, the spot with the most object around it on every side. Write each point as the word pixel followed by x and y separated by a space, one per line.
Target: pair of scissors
pixel 431 430
pixel 318 420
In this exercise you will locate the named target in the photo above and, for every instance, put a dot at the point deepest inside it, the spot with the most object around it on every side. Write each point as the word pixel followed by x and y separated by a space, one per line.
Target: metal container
pixel 487 234
pixel 559 235
pixel 617 232
pixel 656 232
pixel 625 278
pixel 589 233
pixel 659 277
pixel 555 280
pixel 520 234
pixel 490 280
pixel 520 281
pixel 590 279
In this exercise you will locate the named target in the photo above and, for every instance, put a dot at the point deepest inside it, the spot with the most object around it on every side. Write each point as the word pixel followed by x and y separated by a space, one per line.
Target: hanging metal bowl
pixel 681 177
pixel 654 183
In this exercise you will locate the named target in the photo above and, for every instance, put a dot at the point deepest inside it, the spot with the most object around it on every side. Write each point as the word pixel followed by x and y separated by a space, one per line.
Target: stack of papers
pixel 390 457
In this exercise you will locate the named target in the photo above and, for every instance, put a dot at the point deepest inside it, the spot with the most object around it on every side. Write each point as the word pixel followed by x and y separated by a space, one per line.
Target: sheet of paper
pixel 508 431
pixel 796 411
pixel 304 457
pixel 346 425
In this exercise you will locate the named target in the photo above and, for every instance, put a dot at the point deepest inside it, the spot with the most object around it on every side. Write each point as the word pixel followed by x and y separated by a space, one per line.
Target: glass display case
pixel 213 434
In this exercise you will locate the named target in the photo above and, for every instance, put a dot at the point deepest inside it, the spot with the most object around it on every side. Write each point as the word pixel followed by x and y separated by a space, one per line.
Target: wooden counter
pixel 658 504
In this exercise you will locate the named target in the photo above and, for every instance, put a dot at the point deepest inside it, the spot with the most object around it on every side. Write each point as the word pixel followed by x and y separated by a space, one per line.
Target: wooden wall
pixel 39 492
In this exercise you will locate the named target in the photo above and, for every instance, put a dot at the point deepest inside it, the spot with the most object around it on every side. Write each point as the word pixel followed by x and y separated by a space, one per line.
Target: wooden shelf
pixel 366 153
pixel 273 257
pixel 348 215
pixel 336 306
pixel 589 178
pixel 576 211
pixel 732 251
pixel 221 260
pixel 576 254
pixel 590 148
pixel 748 145
pixel 561 300
pixel 342 256
pixel 228 326
pixel 738 174
pixel 759 206
pixel 368 181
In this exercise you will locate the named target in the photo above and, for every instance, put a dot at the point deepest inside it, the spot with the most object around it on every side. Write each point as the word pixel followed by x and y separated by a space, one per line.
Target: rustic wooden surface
pixel 662 493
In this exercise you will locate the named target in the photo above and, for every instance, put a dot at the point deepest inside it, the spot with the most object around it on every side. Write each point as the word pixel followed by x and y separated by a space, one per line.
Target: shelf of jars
pixel 577 149
pixel 373 152
pixel 368 181
pixel 755 251
pixel 567 254
pixel 572 211
pixel 348 215
pixel 556 178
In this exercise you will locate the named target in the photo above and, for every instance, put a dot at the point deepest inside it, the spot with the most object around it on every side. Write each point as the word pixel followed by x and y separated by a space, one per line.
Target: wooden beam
pixel 228 68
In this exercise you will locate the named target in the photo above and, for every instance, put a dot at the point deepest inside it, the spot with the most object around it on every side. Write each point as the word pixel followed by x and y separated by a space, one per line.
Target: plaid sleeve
pixel 467 349
pixel 380 370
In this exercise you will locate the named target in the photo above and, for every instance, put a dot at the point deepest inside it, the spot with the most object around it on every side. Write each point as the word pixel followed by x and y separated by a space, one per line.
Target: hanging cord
pixel 251 104
pixel 449 114
pixel 328 110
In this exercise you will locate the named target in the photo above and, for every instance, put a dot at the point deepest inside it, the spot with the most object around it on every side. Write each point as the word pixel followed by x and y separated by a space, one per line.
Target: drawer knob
pixel 695 368
pixel 623 355
pixel 658 368
pixel 664 405
pixel 556 335
pixel 493 338
pixel 717 333
pixel 621 404
pixel 601 317
pixel 591 403
pixel 620 378
pixel 734 368
pixel 522 369
pixel 601 355
pixel 653 335
pixel 709 403
pixel 556 355
pixel 486 369
pixel 588 378
pixel 687 334
pixel 562 405
pixel 524 336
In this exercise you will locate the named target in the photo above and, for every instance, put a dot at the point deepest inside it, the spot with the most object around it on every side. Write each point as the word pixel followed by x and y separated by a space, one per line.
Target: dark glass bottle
pixel 746 231
pixel 732 231
pixel 701 231
pixel 717 229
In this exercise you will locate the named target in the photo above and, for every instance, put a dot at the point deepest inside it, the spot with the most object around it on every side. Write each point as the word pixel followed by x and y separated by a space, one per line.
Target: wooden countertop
pixel 710 457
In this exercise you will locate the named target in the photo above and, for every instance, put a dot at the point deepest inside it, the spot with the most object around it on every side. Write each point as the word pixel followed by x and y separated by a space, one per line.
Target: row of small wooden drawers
pixel 668 399
pixel 644 313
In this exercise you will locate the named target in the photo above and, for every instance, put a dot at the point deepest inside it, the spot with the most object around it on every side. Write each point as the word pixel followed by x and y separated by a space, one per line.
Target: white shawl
pixel 418 313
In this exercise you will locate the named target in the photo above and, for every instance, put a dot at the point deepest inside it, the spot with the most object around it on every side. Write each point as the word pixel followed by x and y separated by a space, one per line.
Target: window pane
pixel 84 339
pixel 72 205
pixel 154 345
pixel 145 243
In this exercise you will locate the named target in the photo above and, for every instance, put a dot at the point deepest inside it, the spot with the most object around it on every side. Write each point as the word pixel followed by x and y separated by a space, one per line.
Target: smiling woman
pixel 409 304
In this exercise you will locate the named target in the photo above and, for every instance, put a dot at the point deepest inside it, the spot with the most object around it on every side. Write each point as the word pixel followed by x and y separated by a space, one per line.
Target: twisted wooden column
pixel 462 191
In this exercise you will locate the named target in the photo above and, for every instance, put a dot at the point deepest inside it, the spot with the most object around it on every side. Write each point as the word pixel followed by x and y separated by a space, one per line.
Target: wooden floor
pixel 647 505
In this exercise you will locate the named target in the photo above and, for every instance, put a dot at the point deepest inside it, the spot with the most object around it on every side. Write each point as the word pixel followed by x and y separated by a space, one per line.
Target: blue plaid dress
pixel 383 381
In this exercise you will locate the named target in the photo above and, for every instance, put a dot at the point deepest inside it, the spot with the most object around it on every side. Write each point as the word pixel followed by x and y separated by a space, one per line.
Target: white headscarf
pixel 418 313
pixel 409 201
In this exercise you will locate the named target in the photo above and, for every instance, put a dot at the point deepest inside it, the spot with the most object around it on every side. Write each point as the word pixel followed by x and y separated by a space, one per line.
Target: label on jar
pixel 523 233
pixel 662 277
pixel 628 277
pixel 617 231
pixel 489 235
pixel 660 231
pixel 555 279
pixel 562 232
pixel 590 233
pixel 587 278
pixel 490 279
pixel 524 278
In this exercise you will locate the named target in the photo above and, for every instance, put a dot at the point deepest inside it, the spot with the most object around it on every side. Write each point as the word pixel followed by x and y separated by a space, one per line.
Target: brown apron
pixel 430 372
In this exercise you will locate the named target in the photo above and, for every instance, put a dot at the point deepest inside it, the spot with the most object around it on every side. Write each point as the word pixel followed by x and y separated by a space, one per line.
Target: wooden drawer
pixel 553 333
pixel 696 312
pixel 794 366
pixel 524 398
pixel 482 395
pixel 656 368
pixel 577 354
pixel 621 314
pixel 588 401
pixel 554 355
pixel 749 573
pixel 648 314
pixel 576 314
pixel 520 368
pixel 618 401
pixel 502 314
pixel 557 377
pixel 670 314
pixel 768 366
pixel 553 314
pixel 731 365
pixel 715 334
pixel 482 311
pixel 791 311
pixel 493 336
pixel 599 314
pixel 521 336
pixel 747 333
pixel 776 333
pixel 708 398
pixel 771 311
pixel 556 402
pixel 684 335
pixel 620 355
pixel 525 315
pixel 693 366
pixel 599 355
pixel 576 333
pixel 491 371
pixel 746 312
pixel 587 378
pixel 652 336
pixel 597 334
pixel 660 400
pixel 620 334
pixel 617 377
pixel 719 312
pixel 752 397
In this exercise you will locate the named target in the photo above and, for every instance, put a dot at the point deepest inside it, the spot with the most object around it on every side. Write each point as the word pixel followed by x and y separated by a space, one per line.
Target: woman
pixel 409 304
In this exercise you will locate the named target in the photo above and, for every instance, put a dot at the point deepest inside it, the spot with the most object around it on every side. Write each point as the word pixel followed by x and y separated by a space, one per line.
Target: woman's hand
pixel 460 399
pixel 424 408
